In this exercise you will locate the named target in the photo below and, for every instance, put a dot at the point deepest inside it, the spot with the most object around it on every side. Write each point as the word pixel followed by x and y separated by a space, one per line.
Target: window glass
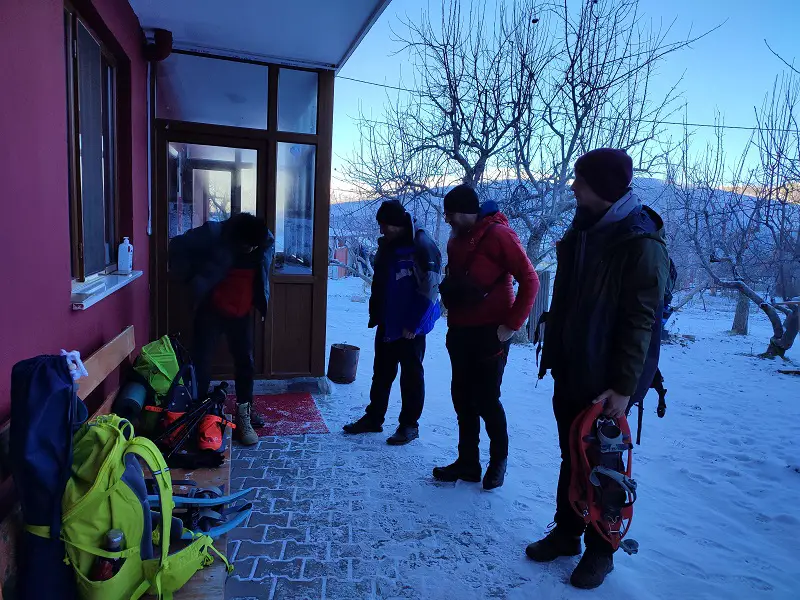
pixel 212 90
pixel 91 147
pixel 297 101
pixel 294 235
pixel 208 183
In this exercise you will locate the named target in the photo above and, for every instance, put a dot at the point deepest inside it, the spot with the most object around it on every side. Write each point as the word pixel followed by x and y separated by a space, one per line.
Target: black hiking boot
pixel 363 425
pixel 403 436
pixel 592 570
pixel 553 546
pixel 458 470
pixel 495 474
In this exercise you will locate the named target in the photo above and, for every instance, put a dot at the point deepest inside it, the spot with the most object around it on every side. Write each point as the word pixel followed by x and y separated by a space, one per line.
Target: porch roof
pixel 308 33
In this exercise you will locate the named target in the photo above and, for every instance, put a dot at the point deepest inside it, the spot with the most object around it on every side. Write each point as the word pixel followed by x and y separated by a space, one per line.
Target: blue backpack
pixel 45 413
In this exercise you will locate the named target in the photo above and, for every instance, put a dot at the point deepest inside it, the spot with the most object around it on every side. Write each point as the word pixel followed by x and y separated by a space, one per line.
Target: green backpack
pixel 158 365
pixel 107 491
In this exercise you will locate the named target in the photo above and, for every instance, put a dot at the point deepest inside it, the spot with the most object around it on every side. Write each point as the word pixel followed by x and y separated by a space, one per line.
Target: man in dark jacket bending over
pixel 484 257
pixel 609 286
pixel 226 266
pixel 404 306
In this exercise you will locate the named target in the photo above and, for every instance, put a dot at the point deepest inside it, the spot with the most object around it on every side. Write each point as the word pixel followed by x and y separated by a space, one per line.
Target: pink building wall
pixel 35 311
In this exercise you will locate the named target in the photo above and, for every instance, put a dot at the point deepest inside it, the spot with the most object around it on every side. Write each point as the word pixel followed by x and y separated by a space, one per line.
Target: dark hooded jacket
pixel 607 295
pixel 202 258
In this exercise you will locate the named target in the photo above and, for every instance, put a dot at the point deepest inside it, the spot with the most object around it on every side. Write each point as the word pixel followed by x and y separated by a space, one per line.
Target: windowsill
pixel 87 294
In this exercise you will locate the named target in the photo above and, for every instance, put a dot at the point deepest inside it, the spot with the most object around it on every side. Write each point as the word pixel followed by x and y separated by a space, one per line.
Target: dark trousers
pixel 408 356
pixel 566 410
pixel 209 325
pixel 478 360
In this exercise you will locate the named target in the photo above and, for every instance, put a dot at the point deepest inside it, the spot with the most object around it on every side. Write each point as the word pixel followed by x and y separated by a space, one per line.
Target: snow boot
pixel 495 474
pixel 363 425
pixel 256 420
pixel 553 546
pixel 458 470
pixel 245 433
pixel 403 436
pixel 592 570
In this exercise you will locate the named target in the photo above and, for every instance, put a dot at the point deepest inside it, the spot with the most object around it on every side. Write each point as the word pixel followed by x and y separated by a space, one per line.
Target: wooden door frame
pixel 198 134
pixel 266 140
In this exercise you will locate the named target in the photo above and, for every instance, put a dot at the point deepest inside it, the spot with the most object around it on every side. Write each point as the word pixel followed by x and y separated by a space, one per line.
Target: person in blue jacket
pixel 404 306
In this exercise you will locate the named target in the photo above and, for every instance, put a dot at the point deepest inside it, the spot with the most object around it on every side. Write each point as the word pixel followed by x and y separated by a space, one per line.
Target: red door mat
pixel 286 414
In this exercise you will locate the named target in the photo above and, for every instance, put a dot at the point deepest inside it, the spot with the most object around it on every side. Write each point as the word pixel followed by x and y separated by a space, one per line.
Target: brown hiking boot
pixel 245 434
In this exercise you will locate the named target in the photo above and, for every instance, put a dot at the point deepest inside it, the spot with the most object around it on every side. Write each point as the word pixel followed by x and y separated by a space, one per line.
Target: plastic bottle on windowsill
pixel 125 257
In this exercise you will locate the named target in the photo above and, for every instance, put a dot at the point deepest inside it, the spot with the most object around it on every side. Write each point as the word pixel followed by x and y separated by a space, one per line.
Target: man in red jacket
pixel 485 256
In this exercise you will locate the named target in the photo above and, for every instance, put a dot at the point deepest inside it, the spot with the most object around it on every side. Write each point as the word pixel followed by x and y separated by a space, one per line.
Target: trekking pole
pixel 190 428
pixel 202 407
pixel 215 401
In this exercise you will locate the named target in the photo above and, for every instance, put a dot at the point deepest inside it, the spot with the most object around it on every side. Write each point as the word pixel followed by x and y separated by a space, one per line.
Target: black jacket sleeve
pixel 186 252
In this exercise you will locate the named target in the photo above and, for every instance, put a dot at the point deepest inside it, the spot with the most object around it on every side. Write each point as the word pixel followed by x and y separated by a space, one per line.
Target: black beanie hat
pixel 607 171
pixel 392 212
pixel 462 199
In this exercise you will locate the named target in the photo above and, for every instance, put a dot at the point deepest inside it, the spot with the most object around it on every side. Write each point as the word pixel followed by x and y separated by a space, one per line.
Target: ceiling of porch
pixel 310 33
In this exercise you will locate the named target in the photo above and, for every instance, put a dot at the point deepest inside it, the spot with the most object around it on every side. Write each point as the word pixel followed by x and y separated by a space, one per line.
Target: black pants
pixel 408 355
pixel 478 359
pixel 209 325
pixel 566 409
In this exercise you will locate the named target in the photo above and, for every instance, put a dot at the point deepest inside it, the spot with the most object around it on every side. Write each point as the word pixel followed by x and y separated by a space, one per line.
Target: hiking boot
pixel 592 570
pixel 458 470
pixel 403 436
pixel 363 425
pixel 495 474
pixel 553 546
pixel 256 420
pixel 245 433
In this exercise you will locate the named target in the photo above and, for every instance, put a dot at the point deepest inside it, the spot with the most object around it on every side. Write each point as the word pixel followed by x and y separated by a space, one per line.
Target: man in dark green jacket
pixel 608 290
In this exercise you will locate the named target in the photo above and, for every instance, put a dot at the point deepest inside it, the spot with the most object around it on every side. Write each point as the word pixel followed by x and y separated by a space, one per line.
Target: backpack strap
pixel 148 451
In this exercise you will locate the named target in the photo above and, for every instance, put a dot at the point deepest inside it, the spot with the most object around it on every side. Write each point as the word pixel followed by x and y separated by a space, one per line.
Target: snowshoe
pixel 204 511
pixel 200 497
pixel 601 489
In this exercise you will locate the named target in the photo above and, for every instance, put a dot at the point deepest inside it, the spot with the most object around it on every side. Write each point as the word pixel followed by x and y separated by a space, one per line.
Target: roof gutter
pixel 263 59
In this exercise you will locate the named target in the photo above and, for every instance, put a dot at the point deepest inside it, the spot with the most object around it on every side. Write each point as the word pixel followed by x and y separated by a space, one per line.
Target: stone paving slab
pixel 332 520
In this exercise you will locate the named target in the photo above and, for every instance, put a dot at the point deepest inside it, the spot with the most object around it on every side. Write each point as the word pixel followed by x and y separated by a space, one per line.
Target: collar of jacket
pixel 618 211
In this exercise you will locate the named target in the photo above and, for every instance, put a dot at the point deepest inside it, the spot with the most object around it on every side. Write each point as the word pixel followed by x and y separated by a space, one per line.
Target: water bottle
pixel 125 257
pixel 105 568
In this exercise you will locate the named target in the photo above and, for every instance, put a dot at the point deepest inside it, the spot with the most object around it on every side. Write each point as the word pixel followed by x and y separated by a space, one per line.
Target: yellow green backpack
pixel 107 491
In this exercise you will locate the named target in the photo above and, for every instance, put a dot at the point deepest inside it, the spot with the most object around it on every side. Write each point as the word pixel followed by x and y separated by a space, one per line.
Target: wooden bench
pixel 209 582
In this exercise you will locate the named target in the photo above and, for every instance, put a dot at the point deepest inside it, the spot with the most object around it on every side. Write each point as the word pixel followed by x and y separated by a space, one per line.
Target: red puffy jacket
pixel 498 260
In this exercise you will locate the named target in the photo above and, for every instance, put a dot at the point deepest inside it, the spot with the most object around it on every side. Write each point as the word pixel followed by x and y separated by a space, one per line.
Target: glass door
pixel 204 182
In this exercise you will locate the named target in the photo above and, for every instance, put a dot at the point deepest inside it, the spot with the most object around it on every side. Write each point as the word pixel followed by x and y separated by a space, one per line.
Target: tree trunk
pixel 741 319
pixel 791 326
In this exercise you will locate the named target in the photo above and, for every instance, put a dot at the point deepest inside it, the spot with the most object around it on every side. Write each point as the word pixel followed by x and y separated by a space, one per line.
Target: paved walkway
pixel 335 519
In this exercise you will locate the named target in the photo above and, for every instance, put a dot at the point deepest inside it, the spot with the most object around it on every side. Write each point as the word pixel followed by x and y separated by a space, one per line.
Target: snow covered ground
pixel 719 477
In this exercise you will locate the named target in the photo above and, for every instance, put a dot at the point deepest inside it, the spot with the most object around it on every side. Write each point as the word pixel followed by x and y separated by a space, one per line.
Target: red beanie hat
pixel 607 171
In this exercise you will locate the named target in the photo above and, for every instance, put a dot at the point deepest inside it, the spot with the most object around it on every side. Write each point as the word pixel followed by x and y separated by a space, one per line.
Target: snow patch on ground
pixel 718 476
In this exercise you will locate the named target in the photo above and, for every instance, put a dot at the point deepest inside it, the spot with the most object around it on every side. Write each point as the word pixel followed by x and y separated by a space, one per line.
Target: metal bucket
pixel 343 363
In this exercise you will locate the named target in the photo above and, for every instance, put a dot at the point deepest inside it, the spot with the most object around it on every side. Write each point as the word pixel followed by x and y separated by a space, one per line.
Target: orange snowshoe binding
pixel 601 489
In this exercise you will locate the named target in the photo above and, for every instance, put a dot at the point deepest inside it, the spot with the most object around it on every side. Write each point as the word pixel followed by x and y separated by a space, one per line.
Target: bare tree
pixel 506 102
pixel 597 94
pixel 726 215
pixel 353 226
pixel 474 74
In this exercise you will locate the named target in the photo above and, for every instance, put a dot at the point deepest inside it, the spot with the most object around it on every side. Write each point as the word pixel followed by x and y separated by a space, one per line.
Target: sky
pixel 729 71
